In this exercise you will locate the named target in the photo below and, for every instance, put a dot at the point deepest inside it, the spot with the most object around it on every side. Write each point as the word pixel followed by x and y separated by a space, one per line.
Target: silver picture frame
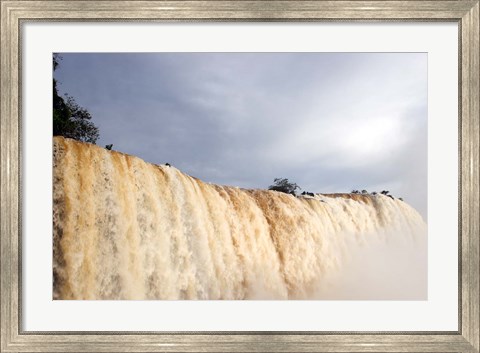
pixel 15 13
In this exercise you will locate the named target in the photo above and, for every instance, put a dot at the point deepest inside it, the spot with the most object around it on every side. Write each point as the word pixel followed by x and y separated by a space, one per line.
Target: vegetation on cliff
pixel 69 118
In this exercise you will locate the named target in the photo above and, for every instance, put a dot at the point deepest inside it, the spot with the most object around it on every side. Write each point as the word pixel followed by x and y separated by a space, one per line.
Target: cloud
pixel 328 121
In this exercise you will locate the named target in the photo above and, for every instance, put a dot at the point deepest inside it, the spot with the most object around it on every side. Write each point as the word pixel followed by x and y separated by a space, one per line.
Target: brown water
pixel 127 229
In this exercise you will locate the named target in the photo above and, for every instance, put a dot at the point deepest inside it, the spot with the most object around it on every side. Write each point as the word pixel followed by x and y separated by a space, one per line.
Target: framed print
pixel 267 176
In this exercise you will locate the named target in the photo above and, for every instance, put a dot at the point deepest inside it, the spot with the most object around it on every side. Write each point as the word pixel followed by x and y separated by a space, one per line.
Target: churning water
pixel 126 229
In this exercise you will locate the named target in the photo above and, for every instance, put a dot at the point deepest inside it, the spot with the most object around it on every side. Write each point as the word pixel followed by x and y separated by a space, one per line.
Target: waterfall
pixel 127 229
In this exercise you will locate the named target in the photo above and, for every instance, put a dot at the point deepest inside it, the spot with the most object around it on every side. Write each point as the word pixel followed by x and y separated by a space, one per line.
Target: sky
pixel 330 122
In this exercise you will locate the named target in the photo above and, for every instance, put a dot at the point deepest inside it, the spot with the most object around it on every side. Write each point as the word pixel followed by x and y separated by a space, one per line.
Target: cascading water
pixel 126 229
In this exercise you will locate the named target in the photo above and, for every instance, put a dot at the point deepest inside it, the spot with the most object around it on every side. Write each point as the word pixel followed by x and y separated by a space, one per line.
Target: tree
pixel 283 185
pixel 69 118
